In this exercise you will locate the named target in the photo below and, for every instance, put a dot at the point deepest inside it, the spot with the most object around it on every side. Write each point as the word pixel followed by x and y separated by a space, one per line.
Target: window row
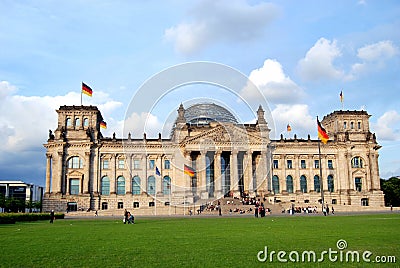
pixel 303 164
pixel 352 125
pixel 76 122
pixel 136 185
pixel 136 164
pixel 303 184
pixel 120 205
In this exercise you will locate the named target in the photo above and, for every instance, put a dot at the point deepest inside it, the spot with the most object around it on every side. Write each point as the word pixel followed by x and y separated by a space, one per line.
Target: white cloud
pixel 275 85
pixel 299 118
pixel 216 21
pixel 25 121
pixel 318 64
pixel 387 126
pixel 137 124
pixel 372 57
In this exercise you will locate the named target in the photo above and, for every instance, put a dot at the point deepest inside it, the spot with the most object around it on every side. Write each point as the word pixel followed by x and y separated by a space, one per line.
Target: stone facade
pixel 88 171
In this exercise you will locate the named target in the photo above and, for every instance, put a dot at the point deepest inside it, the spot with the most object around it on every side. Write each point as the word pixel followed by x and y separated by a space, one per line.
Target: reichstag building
pixel 208 156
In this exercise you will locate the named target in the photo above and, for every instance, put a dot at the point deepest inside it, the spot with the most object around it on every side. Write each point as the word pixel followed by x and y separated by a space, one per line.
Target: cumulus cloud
pixel 298 116
pixel 145 122
pixel 318 63
pixel 220 21
pixel 372 57
pixel 387 126
pixel 275 85
pixel 25 120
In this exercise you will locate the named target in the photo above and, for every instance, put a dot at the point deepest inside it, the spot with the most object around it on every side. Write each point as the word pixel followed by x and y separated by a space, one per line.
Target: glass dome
pixel 204 113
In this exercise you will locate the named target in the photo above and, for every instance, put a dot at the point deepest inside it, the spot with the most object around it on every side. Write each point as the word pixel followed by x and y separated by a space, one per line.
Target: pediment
pixel 358 172
pixel 75 173
pixel 225 134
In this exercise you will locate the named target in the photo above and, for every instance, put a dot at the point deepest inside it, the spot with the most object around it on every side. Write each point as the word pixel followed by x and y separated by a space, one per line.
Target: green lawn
pixel 195 241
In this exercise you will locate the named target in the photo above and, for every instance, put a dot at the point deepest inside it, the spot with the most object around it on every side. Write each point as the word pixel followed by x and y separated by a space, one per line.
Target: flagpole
pixel 320 175
pixel 81 97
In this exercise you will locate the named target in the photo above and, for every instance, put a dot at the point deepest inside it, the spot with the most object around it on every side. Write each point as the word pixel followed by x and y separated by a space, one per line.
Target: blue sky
pixel 300 54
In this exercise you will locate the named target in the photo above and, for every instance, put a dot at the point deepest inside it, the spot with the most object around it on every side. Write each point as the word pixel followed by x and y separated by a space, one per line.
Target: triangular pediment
pixel 225 134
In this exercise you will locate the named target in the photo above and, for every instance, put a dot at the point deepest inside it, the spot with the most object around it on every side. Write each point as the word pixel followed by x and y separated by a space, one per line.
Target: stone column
pixel 128 184
pixel 201 174
pixel 159 179
pixel 96 172
pixel 249 172
pixel 86 174
pixel 61 178
pixel 113 179
pixel 376 183
pixel 48 171
pixel 217 174
pixel 262 173
pixel 233 161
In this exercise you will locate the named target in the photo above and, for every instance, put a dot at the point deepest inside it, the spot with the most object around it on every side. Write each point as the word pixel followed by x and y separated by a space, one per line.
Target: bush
pixel 11 218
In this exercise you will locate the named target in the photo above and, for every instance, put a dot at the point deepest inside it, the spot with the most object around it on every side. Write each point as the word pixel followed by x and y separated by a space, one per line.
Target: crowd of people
pixel 308 210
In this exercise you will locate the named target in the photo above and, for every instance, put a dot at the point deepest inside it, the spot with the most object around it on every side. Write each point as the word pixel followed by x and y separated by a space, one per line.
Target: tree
pixel 391 189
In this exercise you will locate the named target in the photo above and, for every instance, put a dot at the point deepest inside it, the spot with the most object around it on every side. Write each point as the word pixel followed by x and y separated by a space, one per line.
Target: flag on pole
pixel 322 135
pixel 103 124
pixel 288 128
pixel 158 171
pixel 341 96
pixel 188 171
pixel 86 90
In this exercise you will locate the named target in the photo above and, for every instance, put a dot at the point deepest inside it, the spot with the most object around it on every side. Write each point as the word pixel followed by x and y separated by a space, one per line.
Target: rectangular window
pixel 344 125
pixel 151 204
pixel 364 202
pixel 303 163
pixel 151 164
pixel 74 187
pixel 136 164
pixel 316 163
pixel 289 164
pixel 358 184
pixel 330 164
pixel 167 164
pixel 104 206
pixel 120 205
pixel 135 204
pixel 276 163
pixel 121 163
pixel 359 125
pixel 105 164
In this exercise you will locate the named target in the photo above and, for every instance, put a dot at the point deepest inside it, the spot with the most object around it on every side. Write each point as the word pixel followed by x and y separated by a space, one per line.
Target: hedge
pixel 10 218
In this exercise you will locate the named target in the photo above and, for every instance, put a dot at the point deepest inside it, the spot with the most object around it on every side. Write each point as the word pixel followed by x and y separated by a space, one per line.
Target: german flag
pixel 86 90
pixel 322 135
pixel 103 124
pixel 189 171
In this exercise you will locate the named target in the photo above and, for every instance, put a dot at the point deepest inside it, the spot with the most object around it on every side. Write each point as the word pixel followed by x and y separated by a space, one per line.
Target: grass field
pixel 196 242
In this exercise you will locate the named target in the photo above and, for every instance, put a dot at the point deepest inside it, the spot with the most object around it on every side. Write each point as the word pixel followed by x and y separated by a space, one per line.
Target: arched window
pixel 167 185
pixel 85 122
pixel 75 162
pixel 68 122
pixel 275 184
pixel 317 184
pixel 136 185
pixel 105 186
pixel 303 184
pixel 357 162
pixel 151 185
pixel 331 186
pixel 77 122
pixel 289 184
pixel 120 185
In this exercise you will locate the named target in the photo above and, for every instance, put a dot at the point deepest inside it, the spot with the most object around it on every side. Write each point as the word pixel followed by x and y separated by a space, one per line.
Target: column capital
pixel 49 155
